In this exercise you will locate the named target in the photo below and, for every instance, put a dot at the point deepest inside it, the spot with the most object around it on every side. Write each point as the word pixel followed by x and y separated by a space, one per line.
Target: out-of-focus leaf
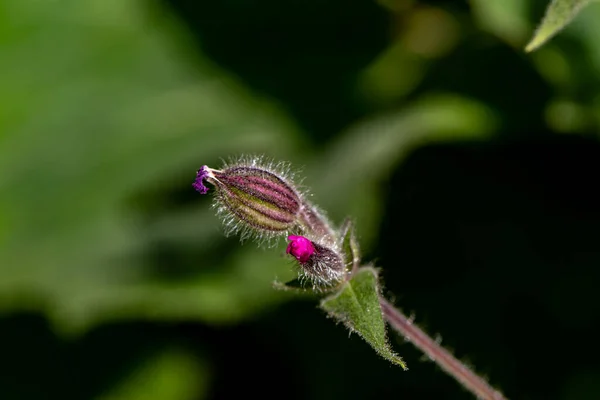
pixel 171 375
pixel 357 306
pixel 586 27
pixel 352 169
pixel 558 14
pixel 100 103
pixel 504 18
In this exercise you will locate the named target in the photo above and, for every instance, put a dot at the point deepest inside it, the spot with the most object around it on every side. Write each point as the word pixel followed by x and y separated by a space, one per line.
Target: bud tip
pixel 300 247
pixel 202 174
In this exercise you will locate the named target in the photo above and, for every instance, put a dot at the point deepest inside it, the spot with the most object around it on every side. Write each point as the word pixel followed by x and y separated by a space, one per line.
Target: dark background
pixel 470 166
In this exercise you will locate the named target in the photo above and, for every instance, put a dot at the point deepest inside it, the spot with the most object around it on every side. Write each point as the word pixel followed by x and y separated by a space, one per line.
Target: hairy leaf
pixel 357 306
pixel 558 15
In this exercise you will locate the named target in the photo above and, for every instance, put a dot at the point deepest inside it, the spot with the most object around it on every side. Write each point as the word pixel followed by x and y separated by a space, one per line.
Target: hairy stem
pixel 442 357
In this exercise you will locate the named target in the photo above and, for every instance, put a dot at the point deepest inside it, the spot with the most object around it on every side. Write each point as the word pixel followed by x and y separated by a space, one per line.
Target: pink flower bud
pixel 300 247
pixel 322 265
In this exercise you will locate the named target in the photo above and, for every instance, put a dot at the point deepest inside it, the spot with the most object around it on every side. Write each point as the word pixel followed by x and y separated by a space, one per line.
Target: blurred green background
pixel 470 168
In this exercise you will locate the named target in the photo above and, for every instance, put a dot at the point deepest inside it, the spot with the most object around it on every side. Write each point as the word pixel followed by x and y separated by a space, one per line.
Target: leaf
pixel 173 374
pixel 506 19
pixel 105 106
pixel 357 306
pixel 349 245
pixel 558 14
pixel 370 150
pixel 296 286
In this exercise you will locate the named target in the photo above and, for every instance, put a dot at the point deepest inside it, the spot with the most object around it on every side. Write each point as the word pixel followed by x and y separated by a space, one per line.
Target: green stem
pixel 442 357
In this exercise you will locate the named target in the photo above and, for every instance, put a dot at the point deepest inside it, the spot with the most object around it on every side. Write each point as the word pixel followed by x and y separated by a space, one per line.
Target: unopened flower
pixel 300 247
pixel 321 264
pixel 253 198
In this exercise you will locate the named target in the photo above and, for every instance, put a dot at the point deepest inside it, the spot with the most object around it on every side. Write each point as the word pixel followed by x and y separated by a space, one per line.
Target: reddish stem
pixel 442 357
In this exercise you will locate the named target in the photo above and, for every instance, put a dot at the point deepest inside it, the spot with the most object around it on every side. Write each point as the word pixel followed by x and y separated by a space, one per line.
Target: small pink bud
pixel 300 247
pixel 321 264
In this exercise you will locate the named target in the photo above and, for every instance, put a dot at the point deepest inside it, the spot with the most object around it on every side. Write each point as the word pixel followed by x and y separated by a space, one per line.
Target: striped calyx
pixel 258 198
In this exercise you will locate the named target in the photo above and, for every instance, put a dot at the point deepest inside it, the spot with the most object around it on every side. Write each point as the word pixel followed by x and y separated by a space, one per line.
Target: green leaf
pixel 349 244
pixel 506 19
pixel 106 107
pixel 558 14
pixel 357 306
pixel 173 375
pixel 379 144
pixel 296 286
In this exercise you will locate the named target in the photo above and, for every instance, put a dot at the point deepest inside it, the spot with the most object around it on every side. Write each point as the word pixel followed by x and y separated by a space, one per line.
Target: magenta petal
pixel 300 247
pixel 199 182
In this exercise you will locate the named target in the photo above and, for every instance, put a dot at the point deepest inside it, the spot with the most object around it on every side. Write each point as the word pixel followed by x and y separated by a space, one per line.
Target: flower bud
pixel 319 263
pixel 300 247
pixel 258 198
